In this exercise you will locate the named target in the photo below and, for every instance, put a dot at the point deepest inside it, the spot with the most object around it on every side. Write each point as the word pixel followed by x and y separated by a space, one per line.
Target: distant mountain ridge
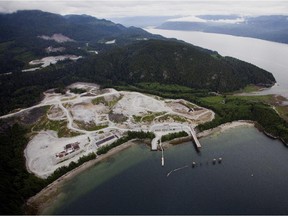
pixel 271 28
pixel 79 27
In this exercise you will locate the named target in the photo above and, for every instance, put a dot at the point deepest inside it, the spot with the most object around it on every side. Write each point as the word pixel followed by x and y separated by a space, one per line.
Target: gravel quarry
pixel 78 124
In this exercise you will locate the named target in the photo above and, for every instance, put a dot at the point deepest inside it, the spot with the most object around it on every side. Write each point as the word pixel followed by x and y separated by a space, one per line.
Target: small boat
pixel 193 164
pixel 214 161
pixel 219 160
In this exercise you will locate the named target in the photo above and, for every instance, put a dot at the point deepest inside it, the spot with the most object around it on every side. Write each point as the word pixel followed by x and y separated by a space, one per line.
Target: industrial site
pixel 77 124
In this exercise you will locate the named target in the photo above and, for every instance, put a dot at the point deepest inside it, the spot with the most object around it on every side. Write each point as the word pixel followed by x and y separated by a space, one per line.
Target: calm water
pixel 252 179
pixel 268 55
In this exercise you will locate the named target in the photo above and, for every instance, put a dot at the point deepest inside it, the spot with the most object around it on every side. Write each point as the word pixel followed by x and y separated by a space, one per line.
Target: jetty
pixel 162 158
pixel 154 143
pixel 196 141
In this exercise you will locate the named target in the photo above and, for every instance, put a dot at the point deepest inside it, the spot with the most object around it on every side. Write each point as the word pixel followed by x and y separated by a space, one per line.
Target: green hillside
pixel 136 56
pixel 173 62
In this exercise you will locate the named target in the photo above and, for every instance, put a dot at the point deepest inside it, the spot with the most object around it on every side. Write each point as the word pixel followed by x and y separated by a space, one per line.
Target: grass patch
pixel 137 118
pixel 59 126
pixel 251 88
pixel 113 102
pixel 99 100
pixel 269 99
pixel 213 99
pixel 67 105
pixel 147 118
pixel 248 89
pixel 91 126
pixel 283 112
pixel 175 118
pixel 152 116
pixel 109 103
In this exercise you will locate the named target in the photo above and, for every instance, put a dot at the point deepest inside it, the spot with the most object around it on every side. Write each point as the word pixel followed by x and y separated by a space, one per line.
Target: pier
pixel 162 159
pixel 165 129
pixel 154 147
pixel 154 143
pixel 197 143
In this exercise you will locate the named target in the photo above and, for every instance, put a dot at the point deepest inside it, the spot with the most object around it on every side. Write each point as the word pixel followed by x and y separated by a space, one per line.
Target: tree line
pixel 130 135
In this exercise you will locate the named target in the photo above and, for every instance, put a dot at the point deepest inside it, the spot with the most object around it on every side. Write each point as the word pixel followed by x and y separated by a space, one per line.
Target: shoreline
pixel 226 126
pixel 37 203
pixel 219 129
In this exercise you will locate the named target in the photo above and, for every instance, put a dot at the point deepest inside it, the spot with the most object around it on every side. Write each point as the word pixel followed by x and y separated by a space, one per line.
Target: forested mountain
pixel 176 62
pixel 271 28
pixel 23 24
pixel 23 34
pixel 126 56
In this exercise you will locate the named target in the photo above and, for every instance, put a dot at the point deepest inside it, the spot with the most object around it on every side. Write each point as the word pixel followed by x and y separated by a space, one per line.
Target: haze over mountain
pixel 86 28
pixel 272 28
pixel 143 21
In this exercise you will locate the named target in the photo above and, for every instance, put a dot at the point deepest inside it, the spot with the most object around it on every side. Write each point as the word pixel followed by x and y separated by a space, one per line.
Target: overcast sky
pixel 124 8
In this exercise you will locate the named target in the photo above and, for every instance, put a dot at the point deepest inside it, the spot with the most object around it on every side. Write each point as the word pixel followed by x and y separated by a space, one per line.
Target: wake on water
pixel 175 170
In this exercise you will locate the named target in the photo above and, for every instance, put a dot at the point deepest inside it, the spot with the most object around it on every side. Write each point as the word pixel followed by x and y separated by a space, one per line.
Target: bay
pixel 252 179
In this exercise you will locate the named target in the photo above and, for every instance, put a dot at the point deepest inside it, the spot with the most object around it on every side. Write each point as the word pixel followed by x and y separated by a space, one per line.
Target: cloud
pixel 187 19
pixel 199 20
pixel 124 8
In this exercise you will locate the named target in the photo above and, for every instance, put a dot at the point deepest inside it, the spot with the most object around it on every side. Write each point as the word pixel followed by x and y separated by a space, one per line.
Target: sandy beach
pixel 224 127
pixel 37 203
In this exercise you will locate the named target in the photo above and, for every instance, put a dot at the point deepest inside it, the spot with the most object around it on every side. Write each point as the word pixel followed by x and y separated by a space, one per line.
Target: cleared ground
pixel 98 117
